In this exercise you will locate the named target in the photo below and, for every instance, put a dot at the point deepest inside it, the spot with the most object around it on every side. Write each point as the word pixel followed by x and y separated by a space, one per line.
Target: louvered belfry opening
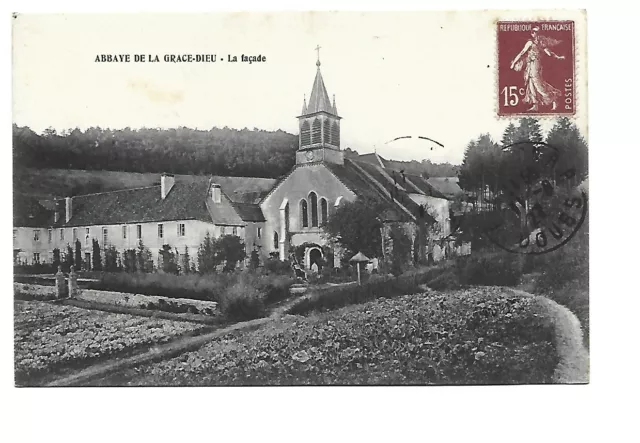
pixel 305 134
pixel 316 131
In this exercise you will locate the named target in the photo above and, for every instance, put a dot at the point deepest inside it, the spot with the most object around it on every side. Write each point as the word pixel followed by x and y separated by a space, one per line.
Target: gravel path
pixel 574 358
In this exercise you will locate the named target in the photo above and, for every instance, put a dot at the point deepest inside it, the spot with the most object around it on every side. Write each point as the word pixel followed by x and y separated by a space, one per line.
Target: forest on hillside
pixel 232 152
pixel 225 151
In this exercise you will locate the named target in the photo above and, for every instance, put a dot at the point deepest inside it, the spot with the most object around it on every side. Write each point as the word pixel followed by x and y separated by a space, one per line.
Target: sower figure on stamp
pixel 537 91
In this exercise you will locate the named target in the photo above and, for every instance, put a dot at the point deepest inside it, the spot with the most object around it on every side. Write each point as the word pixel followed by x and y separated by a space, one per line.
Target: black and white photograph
pixel 300 199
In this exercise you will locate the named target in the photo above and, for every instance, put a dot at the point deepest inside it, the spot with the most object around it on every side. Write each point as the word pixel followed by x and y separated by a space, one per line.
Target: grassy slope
pixel 479 335
pixel 48 183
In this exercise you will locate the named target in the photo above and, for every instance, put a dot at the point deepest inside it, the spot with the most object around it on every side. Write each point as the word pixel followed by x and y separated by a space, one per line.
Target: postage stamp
pixel 536 68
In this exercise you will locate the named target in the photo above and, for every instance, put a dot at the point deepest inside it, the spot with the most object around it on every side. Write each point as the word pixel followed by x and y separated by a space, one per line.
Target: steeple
pixel 319 99
pixel 319 125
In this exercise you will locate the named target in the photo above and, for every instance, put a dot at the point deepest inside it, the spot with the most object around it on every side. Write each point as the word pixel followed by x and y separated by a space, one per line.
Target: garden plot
pixel 53 339
pixel 479 335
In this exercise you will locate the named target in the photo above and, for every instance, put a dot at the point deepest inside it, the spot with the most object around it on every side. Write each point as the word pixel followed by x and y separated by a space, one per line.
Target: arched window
pixel 324 211
pixel 326 131
pixel 286 218
pixel 304 217
pixel 335 134
pixel 316 131
pixel 305 134
pixel 276 241
pixel 313 201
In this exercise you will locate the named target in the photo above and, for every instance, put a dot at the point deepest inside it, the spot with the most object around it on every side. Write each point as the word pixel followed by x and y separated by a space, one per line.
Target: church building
pixel 271 216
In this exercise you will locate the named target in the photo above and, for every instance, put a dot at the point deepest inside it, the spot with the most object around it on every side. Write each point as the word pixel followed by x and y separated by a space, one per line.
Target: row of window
pixel 311 134
pixel 313 202
pixel 181 231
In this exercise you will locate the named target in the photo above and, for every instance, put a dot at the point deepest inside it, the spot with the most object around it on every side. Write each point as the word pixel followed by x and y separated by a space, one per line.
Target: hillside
pixel 217 151
pixel 49 183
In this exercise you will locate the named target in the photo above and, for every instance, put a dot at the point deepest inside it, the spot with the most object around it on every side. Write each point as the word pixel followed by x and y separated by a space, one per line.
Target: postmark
pixel 536 68
pixel 542 210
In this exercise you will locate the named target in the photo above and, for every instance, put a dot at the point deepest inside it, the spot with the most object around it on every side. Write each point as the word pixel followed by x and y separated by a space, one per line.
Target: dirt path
pixel 574 358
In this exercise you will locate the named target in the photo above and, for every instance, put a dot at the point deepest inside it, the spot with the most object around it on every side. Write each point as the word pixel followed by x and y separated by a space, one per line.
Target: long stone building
pixel 271 216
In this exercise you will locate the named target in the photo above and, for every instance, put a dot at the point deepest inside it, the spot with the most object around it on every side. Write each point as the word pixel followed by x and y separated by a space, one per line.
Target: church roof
pixel 368 180
pixel 447 185
pixel 319 99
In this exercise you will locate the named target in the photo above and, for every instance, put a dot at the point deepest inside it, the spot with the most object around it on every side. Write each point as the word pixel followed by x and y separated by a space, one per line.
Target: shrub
pixel 448 280
pixel 273 265
pixel 499 269
pixel 38 268
pixel 192 286
pixel 242 301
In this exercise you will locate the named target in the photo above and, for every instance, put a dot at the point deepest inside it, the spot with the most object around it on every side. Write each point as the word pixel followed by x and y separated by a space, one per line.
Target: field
pixel 473 336
pixel 51 339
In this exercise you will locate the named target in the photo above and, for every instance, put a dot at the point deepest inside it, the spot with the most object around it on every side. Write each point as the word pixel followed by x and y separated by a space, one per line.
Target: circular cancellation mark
pixel 543 210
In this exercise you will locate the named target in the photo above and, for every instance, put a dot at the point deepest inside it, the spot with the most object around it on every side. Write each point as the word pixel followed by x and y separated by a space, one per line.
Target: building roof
pixel 28 212
pixel 249 212
pixel 245 189
pixel 372 158
pixel 319 99
pixel 223 213
pixel 187 200
pixel 446 185
pixel 368 180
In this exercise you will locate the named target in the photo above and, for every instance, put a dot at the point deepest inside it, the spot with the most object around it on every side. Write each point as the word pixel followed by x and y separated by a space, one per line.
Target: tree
pixel 231 250
pixel 254 259
pixel 401 248
pixel 356 227
pixel 56 258
pixel 185 261
pixel 96 259
pixel 78 257
pixel 145 260
pixel 130 261
pixel 169 262
pixel 573 151
pixel 68 259
pixel 208 259
pixel 111 259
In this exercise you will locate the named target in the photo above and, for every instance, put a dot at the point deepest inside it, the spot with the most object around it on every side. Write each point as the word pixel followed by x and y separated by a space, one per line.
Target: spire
pixel 304 105
pixel 335 109
pixel 319 99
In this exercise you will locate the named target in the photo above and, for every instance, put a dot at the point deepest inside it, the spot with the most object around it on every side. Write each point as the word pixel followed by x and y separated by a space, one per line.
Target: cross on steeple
pixel 318 50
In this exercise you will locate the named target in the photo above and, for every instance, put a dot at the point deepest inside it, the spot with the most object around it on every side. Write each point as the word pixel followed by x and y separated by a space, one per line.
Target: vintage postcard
pixel 300 198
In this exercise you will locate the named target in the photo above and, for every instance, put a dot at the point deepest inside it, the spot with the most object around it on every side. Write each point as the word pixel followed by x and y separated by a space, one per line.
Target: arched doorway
pixel 314 255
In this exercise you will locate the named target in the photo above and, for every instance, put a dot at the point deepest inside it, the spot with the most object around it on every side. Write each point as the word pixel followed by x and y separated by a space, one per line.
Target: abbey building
pixel 270 216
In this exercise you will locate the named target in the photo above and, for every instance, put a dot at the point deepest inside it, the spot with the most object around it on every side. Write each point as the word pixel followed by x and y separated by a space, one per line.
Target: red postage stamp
pixel 536 68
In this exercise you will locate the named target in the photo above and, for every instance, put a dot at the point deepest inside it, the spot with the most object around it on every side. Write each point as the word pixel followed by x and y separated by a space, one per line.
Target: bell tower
pixel 319 126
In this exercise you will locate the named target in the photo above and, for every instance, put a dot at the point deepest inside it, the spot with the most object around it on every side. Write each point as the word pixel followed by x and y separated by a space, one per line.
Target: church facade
pixel 271 216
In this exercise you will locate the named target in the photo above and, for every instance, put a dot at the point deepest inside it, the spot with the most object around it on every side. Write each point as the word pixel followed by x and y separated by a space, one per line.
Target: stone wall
pixel 143 301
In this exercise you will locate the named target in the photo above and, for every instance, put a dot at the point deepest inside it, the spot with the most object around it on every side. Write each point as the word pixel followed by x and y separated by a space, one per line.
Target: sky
pixel 393 74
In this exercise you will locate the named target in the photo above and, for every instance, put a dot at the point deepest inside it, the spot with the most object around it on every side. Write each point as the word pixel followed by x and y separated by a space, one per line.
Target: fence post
pixel 73 283
pixel 60 283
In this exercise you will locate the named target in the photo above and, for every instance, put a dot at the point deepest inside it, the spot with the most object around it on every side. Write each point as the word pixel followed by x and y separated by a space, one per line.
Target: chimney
pixel 56 211
pixel 166 183
pixel 216 194
pixel 68 205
